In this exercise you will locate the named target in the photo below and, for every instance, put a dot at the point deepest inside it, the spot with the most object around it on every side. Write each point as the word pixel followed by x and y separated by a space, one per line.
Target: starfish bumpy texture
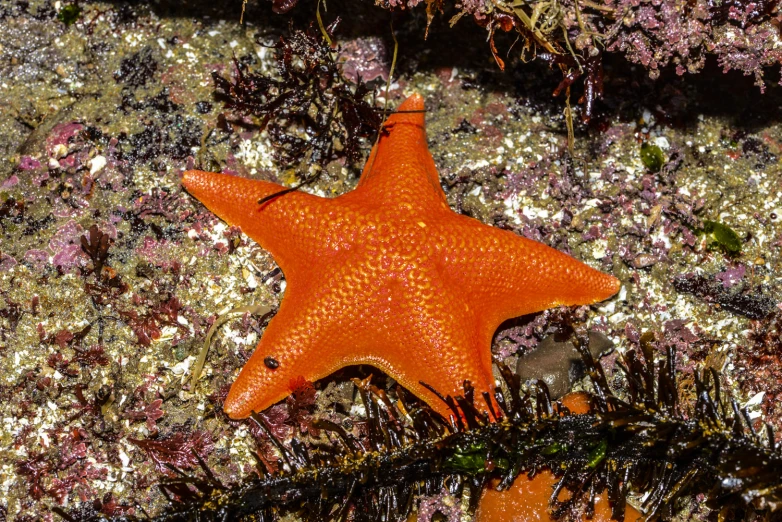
pixel 388 275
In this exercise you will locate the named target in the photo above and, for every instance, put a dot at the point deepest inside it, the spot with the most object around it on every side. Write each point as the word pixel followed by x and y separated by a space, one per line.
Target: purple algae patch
pixel 365 59
pixel 731 276
pixel 28 163
pixel 61 134
pixel 66 247
pixel 37 258
pixel 6 262
pixel 437 507
pixel 12 181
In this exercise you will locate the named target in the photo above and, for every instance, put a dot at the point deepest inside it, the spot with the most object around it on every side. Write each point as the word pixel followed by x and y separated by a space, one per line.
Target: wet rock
pixel 557 362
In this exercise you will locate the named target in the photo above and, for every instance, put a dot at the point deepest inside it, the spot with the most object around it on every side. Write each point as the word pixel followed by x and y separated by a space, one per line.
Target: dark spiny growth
pixel 648 440
pixel 309 110
pixel 707 446
pixel 138 69
pixel 753 305
pixel 11 210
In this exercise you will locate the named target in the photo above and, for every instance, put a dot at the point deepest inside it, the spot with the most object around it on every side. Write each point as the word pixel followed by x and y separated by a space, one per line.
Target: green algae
pixel 69 13
pixel 722 236
pixel 652 157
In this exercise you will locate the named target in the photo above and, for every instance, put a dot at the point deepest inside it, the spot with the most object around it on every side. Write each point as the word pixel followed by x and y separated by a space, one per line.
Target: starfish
pixel 388 275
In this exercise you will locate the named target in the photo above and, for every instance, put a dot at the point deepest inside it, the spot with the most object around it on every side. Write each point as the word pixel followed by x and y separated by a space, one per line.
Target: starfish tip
pixel 409 111
pixel 193 180
pixel 611 285
pixel 236 407
pixel 414 102
pixel 615 285
pixel 606 286
pixel 189 177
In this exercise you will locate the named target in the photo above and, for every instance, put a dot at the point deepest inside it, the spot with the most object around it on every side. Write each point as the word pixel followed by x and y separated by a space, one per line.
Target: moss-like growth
pixel 722 236
pixel 69 14
pixel 652 157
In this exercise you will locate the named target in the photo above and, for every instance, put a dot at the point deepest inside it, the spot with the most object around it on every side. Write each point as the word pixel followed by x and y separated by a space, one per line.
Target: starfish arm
pixel 298 342
pixel 400 171
pixel 322 324
pixel 443 342
pixel 288 226
pixel 508 275
pixel 414 330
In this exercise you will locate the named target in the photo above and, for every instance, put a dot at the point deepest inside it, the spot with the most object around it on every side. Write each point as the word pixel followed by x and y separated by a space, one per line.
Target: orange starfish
pixel 388 275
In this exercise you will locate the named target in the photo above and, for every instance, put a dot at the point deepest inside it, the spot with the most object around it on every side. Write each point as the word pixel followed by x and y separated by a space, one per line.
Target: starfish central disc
pixel 388 275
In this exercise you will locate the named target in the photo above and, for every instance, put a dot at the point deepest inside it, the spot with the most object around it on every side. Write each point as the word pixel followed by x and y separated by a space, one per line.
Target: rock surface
pixel 111 275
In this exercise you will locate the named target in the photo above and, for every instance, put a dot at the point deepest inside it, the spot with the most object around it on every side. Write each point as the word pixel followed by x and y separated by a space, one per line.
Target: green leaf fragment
pixel 69 14
pixel 652 157
pixel 552 449
pixel 469 459
pixel 598 453
pixel 502 464
pixel 723 236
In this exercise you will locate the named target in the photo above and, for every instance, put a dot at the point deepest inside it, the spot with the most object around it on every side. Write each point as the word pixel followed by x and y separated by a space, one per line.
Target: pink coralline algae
pixel 160 252
pixel 443 505
pixel 749 50
pixel 12 181
pixel 731 276
pixel 656 33
pixel 28 163
pixel 37 258
pixel 6 262
pixel 66 247
pixel 365 59
pixel 742 34
pixel 399 4
pixel 477 8
pixel 61 134
pixel 522 336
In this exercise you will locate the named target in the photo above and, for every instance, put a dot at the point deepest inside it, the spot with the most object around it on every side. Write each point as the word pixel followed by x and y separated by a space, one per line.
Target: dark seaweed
pixel 11 211
pixel 138 69
pixel 648 439
pixel 753 305
pixel 97 247
pixel 592 73
pixel 309 94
